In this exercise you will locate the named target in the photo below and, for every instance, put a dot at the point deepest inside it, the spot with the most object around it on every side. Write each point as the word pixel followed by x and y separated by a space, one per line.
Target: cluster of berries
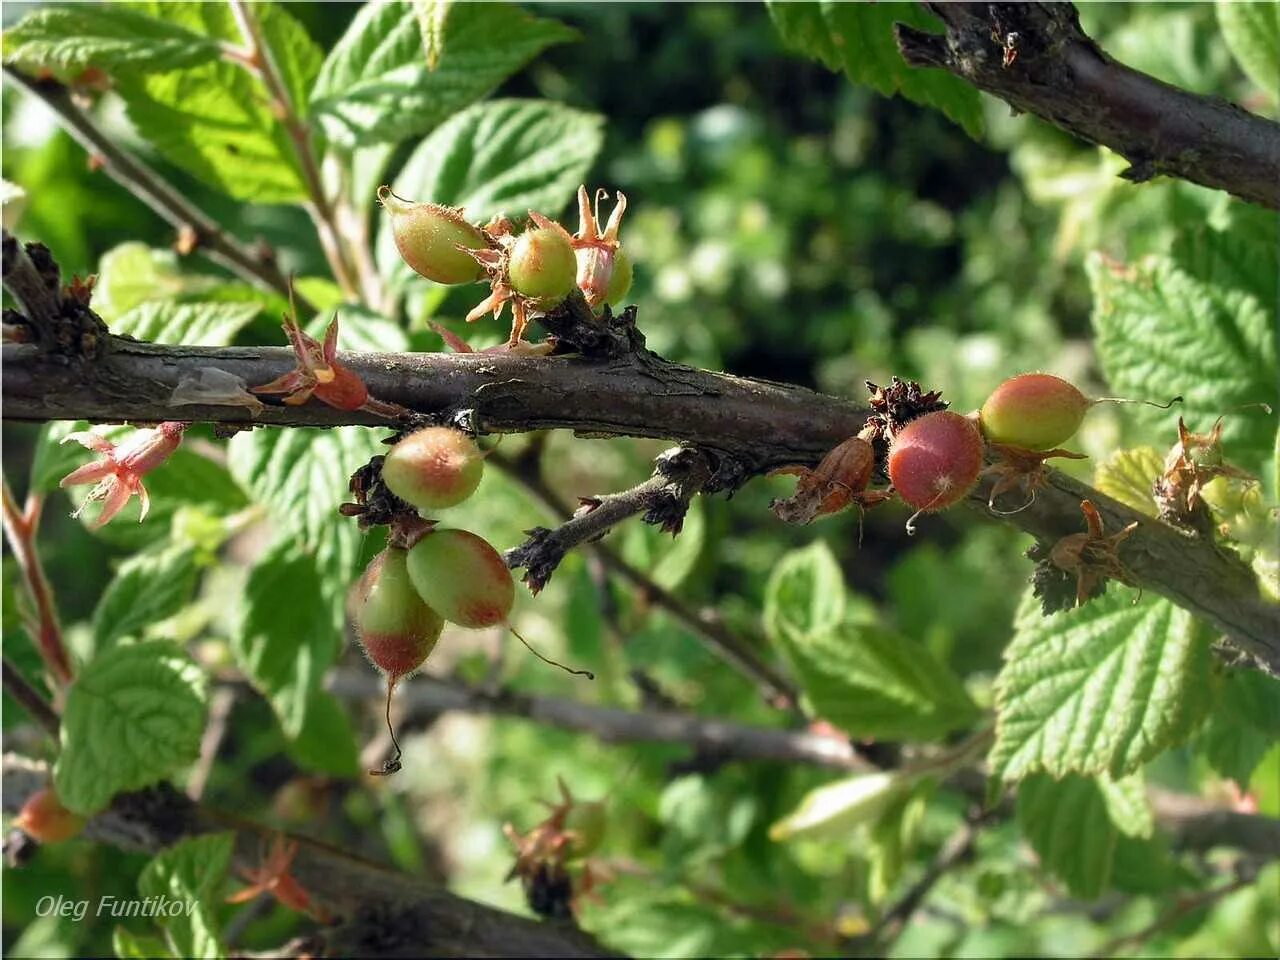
pixel 409 591
pixel 534 269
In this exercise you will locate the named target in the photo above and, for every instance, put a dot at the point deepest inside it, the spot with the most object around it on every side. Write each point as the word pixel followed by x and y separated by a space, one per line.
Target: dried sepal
pixel 1092 557
pixel 1193 461
pixel 545 854
pixel 1020 468
pixel 840 479
pixel 274 876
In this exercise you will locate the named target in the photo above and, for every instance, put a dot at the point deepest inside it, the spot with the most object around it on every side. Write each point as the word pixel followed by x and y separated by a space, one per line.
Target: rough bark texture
pixel 1036 58
pixel 749 426
pixel 379 911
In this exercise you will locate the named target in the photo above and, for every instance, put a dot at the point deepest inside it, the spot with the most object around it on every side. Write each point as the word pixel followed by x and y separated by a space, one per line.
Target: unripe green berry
pixel 1034 410
pixel 620 282
pixel 433 468
pixel 44 818
pixel 460 575
pixel 428 236
pixel 935 460
pixel 542 265
pixel 397 629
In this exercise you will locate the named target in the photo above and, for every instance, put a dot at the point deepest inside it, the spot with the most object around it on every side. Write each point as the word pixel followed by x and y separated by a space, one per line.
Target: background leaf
pixel 1251 29
pixel 205 324
pixel 805 595
pixel 1099 688
pixel 376 84
pixel 191 873
pixel 148 587
pixel 133 716
pixel 1067 825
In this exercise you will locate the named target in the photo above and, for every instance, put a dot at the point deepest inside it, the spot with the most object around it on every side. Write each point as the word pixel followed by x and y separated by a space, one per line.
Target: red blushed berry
pixel 44 818
pixel 433 468
pixel 935 460
pixel 397 629
pixel 1037 411
pixel 462 577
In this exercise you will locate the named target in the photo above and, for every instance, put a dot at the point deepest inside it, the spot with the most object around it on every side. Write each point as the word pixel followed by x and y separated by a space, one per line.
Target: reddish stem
pixel 20 530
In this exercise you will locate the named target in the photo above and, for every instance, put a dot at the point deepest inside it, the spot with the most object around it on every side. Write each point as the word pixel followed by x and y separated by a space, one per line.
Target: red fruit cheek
pixel 480 614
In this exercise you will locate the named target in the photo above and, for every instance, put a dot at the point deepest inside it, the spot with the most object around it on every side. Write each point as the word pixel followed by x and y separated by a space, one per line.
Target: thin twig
pixel 319 206
pixel 955 851
pixel 735 650
pixel 16 685
pixel 257 264
pixel 1180 909
pixel 221 704
pixel 20 530
pixel 427 696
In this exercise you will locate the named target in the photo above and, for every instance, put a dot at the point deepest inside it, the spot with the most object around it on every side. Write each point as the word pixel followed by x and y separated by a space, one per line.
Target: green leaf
pixel 326 742
pixel 858 37
pixel 52 459
pixel 1100 688
pixel 301 476
pixel 804 30
pixel 285 635
pixel 1127 806
pixel 377 85
pixel 834 810
pixel 805 595
pixel 1128 476
pixel 872 683
pixel 190 324
pixel 67 40
pixel 128 945
pixel 147 588
pixel 1067 825
pixel 501 156
pixel 134 715
pixel 1251 29
pixel 1202 326
pixel 131 273
pixel 668 561
pixel 1244 726
pixel 191 873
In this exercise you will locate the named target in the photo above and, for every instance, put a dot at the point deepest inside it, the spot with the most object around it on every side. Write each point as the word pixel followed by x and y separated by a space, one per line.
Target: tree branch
pixel 1036 58
pixel 256 265
pixel 42 621
pixel 427 695
pixel 381 912
pixel 751 425
pixel 737 651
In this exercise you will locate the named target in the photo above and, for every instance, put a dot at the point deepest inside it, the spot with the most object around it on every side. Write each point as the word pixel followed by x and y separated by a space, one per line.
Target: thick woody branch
pixel 1036 58
pixel 751 425
pixel 428 696
pixel 380 912
pixel 256 265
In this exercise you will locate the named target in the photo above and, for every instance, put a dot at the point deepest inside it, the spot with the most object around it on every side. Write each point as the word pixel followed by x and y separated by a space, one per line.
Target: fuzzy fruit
pixel 433 468
pixel 460 575
pixel 542 265
pixel 935 460
pixel 1037 411
pixel 620 281
pixel 397 629
pixel 428 236
pixel 44 818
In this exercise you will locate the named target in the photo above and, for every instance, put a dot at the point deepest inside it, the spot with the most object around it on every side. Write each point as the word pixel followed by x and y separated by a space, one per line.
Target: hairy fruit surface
pixel 1034 410
pixel 397 629
pixel 428 236
pixel 434 467
pixel 462 577
pixel 935 460
pixel 44 818
pixel 542 265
